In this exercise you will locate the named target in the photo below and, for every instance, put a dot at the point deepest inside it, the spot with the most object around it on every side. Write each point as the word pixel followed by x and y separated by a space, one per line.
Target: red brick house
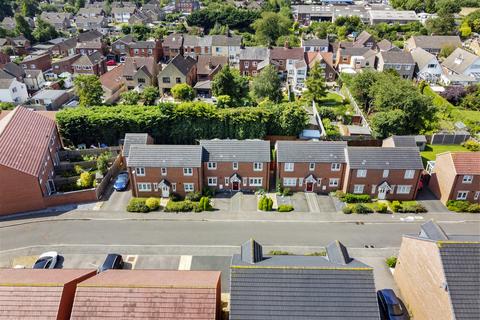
pixel 311 166
pixel 186 6
pixel 456 176
pixel 39 294
pixel 149 294
pixel 42 62
pixel 146 49
pixel 64 64
pixel 383 173
pixel 236 165
pixel 325 59
pixel 93 64
pixel 4 59
pixel 160 170
pixel 250 57
pixel 28 154
pixel 285 57
pixel 172 46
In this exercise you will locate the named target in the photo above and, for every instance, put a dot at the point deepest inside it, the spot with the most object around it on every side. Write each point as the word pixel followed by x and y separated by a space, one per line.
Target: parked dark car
pixel 112 261
pixel 391 308
pixel 121 183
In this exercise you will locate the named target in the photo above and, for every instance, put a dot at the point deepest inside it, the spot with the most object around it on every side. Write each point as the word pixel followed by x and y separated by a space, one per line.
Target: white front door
pixel 165 191
pixel 382 191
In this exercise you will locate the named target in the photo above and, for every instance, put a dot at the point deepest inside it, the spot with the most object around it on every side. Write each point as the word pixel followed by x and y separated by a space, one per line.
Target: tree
pixel 472 100
pixel 28 8
pixel 183 92
pixel 89 90
pixel 315 83
pixel 465 30
pixel 270 27
pixel 5 9
pixel 44 31
pixel 140 31
pixel 446 51
pixel 130 97
pixel 126 29
pixel 149 95
pixel 22 26
pixel 267 85
pixel 443 25
pixel 229 82
pixel 7 106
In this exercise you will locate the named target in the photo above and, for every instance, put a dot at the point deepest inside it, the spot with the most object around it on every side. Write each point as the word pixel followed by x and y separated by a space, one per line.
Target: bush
pixel 413 208
pixel 265 203
pixel 362 209
pixel 193 196
pixel 102 162
pixel 463 206
pixel 391 261
pixel 208 192
pixel 175 197
pixel 396 206
pixel 279 253
pixel 286 192
pixel 347 210
pixel 285 208
pixel 204 204
pixel 471 145
pixel 137 205
pixel 78 169
pixel 474 208
pixel 86 180
pixel 179 206
pixel 317 254
pixel 355 198
pixel 380 208
pixel 152 203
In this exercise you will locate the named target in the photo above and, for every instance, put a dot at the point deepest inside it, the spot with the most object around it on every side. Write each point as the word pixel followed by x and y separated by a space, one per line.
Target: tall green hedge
pixel 179 124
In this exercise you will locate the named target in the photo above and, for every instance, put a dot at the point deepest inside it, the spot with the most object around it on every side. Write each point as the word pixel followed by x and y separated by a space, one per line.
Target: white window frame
pixel 319 181
pixel 361 173
pixel 404 189
pixel 188 171
pixel 144 187
pixel 464 195
pixel 300 182
pixel 257 166
pixel 245 181
pixel 467 179
pixel 163 171
pixel 289 182
pixel 374 188
pixel 227 181
pixel 211 165
pixel 235 165
pixel 289 166
pixel 333 182
pixel 188 187
pixel 255 182
pixel 212 181
pixel 311 166
pixel 140 171
pixel 477 195
pixel 358 188
pixel 336 166
pixel 385 174
pixel 174 187
pixel 409 174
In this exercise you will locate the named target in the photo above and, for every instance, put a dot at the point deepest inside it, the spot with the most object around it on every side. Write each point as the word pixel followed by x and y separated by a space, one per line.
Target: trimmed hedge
pixel 138 205
pixel 265 203
pixel 179 124
pixel 152 203
pixel 407 207
pixel 353 198
pixel 362 209
pixel 463 206
pixel 179 206
pixel 285 208
pixel 193 196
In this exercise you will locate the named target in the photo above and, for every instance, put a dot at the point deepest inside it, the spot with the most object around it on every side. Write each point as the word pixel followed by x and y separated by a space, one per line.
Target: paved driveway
pixel 430 202
pixel 320 203
pixel 116 200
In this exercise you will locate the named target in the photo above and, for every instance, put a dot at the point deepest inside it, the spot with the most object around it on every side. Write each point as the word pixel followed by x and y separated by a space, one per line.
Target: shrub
pixel 137 205
pixel 391 261
pixel 380 208
pixel 102 162
pixel 193 196
pixel 286 192
pixel 347 210
pixel 208 192
pixel 355 198
pixel 317 254
pixel 279 253
pixel 474 208
pixel 471 145
pixel 463 206
pixel 285 208
pixel 78 169
pixel 179 206
pixel 413 208
pixel 152 203
pixel 86 180
pixel 362 209
pixel 175 197
pixel 265 203
pixel 396 206
pixel 204 204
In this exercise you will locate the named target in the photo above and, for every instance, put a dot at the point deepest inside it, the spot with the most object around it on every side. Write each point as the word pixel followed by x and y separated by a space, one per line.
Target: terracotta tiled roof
pixel 282 53
pixel 466 162
pixel 113 78
pixel 24 139
pixel 38 294
pixel 148 294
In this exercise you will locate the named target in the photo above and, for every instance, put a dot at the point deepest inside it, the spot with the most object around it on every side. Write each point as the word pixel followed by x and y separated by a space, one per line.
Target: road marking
pixel 185 263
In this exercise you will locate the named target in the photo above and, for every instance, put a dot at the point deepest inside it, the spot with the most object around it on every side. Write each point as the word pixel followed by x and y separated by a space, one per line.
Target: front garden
pixel 463 206
pixel 193 201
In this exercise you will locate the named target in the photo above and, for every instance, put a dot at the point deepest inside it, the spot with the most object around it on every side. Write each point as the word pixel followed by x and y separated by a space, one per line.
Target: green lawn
pixel 432 150
pixel 465 115
pixel 332 99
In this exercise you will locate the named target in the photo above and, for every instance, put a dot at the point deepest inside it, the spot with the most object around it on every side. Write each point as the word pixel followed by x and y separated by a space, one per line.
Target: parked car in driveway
pixel 112 261
pixel 111 63
pixel 390 306
pixel 121 183
pixel 47 260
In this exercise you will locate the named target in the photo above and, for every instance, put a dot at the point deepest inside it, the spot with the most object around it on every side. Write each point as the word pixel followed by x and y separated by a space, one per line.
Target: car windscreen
pixel 41 263
pixel 395 309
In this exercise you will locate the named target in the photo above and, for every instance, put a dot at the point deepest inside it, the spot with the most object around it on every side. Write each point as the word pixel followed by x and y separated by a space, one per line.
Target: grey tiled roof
pixel 384 158
pixel 301 287
pixel 436 42
pixel 168 156
pixel 133 138
pixel 432 231
pixel 462 272
pixel 460 60
pixel 311 151
pixel 397 57
pixel 229 150
pixel 404 141
pixel 253 53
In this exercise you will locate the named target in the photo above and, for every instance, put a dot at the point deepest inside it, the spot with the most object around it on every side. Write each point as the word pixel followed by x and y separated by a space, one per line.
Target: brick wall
pixel 80 196
pixel 419 276
pixel 321 171
pixel 245 171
